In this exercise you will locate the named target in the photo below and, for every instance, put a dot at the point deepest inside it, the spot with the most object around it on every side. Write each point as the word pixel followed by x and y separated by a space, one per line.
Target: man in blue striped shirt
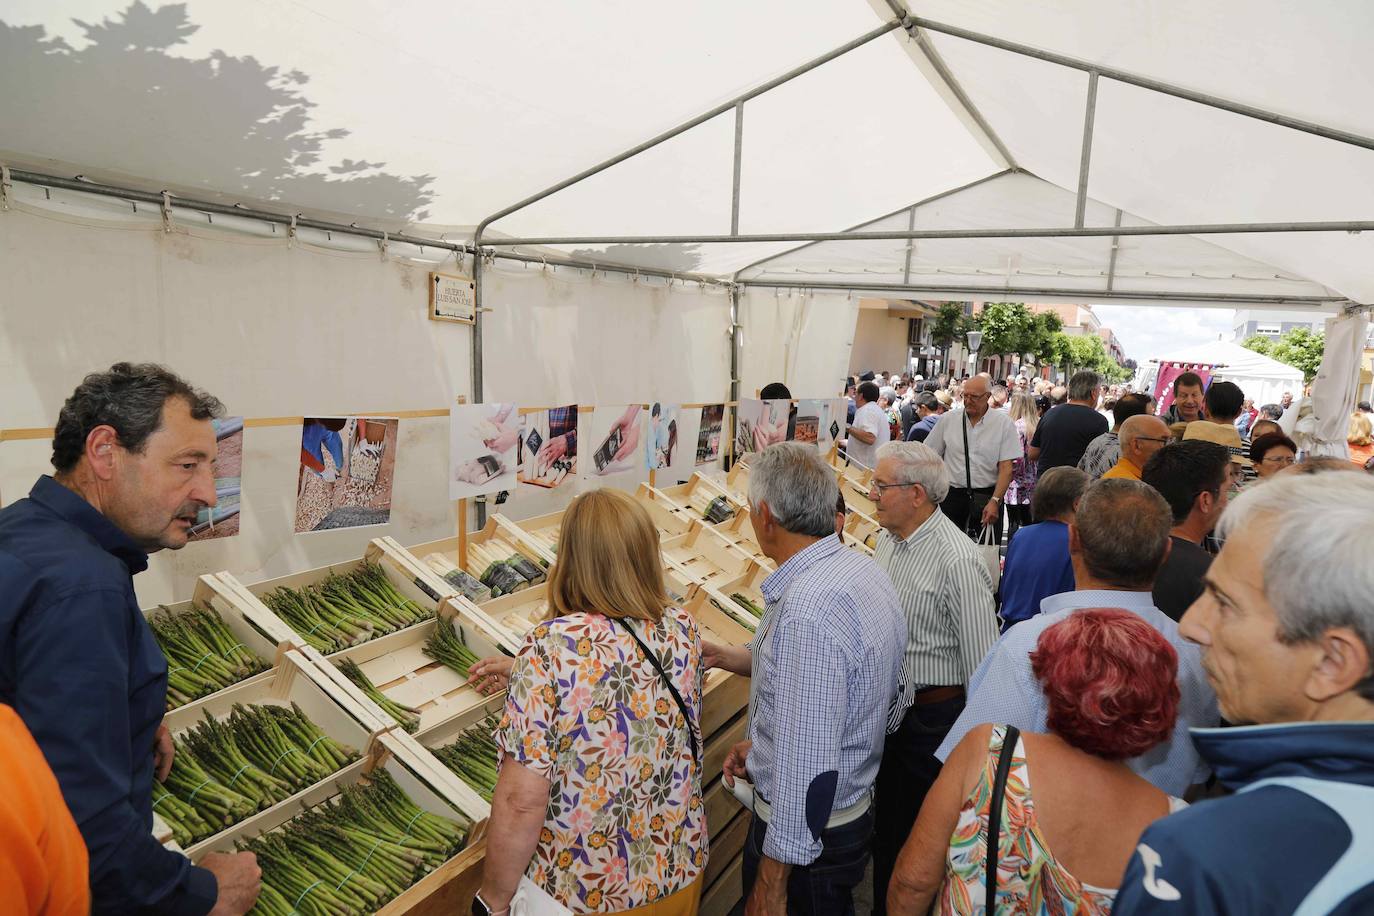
pixel 825 665
pixel 1117 542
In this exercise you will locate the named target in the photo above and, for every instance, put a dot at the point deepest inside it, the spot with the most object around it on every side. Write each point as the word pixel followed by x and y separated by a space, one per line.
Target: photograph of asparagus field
pixel 346 472
pixel 223 520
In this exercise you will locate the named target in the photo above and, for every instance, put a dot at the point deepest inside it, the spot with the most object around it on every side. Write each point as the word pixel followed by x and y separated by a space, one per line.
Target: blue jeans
pixel 826 886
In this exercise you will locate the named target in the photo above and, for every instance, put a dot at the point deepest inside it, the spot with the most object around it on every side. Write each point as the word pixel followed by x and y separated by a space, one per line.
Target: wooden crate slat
pixel 726 846
pixel 727 890
pixel 721 701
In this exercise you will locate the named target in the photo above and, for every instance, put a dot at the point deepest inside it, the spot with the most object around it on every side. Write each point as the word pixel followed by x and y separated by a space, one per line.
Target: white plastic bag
pixel 991 554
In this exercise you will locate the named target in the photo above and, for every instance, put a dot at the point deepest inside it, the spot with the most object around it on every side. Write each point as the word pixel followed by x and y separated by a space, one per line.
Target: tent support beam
pixel 1111 260
pixel 910 245
pixel 879 219
pixel 1047 232
pixel 1145 82
pixel 1089 115
pixel 1219 300
pixel 739 159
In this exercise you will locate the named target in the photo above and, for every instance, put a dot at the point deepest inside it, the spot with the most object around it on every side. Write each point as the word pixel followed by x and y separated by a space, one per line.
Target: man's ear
pixel 1343 662
pixel 101 443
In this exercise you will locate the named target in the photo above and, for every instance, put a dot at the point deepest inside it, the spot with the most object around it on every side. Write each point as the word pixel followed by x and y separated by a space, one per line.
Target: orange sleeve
pixel 43 866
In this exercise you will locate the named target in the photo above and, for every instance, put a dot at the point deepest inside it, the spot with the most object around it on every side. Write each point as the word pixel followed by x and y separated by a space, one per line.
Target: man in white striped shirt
pixel 951 621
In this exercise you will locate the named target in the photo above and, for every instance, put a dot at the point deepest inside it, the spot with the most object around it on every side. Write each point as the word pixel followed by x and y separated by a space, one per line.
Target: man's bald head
pixel 1141 436
pixel 977 385
pixel 977 393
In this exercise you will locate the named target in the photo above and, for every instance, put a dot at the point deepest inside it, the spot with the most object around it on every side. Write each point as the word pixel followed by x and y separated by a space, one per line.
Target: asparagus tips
pixel 203 654
pixel 473 756
pixel 344 610
pixel 446 646
pixel 408 717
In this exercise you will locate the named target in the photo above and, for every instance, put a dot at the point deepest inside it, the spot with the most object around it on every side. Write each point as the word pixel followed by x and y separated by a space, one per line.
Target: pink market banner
pixel 1164 381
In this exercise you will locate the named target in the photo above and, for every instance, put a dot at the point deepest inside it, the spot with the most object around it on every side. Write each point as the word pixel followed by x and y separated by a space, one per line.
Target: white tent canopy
pixel 434 119
pixel 1263 380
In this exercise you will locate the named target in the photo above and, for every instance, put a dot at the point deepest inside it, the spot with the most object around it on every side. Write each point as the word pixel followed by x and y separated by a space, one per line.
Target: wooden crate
pixel 294 680
pixel 397 666
pixel 396 759
pixel 542 530
pixel 424 742
pixel 726 891
pixel 697 494
pixel 749 583
pixel 703 554
pixel 668 517
pixel 398 568
pixel 261 633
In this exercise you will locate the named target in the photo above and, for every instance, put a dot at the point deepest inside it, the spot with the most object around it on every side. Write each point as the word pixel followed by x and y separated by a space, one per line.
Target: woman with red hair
pixel 1111 682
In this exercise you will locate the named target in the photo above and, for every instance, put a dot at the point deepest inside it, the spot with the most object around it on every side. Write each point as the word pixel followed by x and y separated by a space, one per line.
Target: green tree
pixel 1259 343
pixel 1301 349
pixel 1006 328
pixel 950 324
pixel 1040 342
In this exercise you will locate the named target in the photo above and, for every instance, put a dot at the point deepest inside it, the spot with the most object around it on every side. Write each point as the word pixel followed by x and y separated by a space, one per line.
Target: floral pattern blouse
pixel 625 823
pixel 1023 472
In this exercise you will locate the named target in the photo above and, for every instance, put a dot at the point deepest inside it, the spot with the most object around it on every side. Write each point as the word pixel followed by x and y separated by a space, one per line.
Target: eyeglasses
pixel 876 488
pixel 976 397
pixel 1165 439
pixel 1278 459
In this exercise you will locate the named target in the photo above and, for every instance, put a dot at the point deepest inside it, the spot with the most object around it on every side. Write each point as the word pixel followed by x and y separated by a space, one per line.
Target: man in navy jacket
pixel 133 450
pixel 1286 626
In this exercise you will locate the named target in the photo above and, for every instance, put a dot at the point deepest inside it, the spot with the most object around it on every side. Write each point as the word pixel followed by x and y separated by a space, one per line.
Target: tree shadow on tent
pixel 670 257
pixel 123 103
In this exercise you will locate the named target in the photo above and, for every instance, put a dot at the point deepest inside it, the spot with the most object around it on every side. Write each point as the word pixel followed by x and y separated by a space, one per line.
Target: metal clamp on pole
pixel 291 232
pixel 166 211
pixel 4 187
pixel 383 244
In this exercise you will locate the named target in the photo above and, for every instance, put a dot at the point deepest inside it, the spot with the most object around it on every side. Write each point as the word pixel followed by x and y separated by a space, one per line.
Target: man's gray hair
pixel 1123 528
pixel 1057 492
pixel 918 463
pixel 1317 572
pixel 798 487
pixel 1082 383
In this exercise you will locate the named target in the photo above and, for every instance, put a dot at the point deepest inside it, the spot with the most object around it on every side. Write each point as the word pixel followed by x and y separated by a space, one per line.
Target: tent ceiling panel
pixel 1166 264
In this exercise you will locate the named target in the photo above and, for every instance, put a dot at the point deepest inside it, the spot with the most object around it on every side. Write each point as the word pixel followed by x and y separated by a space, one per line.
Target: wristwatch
pixel 996 499
pixel 480 907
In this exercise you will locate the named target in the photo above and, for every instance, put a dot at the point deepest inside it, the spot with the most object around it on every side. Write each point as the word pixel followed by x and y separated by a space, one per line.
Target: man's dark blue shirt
pixel 80 666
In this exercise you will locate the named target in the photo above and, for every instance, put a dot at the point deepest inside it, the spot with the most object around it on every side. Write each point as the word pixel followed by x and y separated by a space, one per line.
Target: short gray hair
pixel 1082 383
pixel 1317 573
pixel 799 488
pixel 1057 492
pixel 919 464
pixel 1123 528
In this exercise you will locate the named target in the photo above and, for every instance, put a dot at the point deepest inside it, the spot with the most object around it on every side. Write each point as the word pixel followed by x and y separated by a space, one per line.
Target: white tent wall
pixel 288 331
pixel 880 337
pixel 800 338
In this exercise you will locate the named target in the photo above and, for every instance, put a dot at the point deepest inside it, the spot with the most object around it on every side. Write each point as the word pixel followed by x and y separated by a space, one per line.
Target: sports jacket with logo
pixel 1297 837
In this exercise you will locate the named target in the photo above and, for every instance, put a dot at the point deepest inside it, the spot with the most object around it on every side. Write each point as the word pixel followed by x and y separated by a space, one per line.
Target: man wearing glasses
pixel 978 447
pixel 947 606
pixel 1140 437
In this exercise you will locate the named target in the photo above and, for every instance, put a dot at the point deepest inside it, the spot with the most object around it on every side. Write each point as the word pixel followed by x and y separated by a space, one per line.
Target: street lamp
pixel 974 339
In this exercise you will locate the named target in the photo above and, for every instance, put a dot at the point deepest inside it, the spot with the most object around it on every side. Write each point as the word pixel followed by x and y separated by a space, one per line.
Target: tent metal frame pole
pixel 1089 116
pixel 910 245
pixel 739 159
pixel 1145 82
pixel 868 222
pixel 1111 259
pixel 1047 232
pixel 1227 299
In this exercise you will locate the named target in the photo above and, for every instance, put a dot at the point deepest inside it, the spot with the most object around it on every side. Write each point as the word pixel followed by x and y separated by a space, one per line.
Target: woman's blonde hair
pixel 1022 407
pixel 1360 429
pixel 608 560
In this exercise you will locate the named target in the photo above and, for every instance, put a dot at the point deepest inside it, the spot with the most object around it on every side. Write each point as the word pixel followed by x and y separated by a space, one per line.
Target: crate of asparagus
pixel 463 749
pixel 211 644
pixel 244 751
pixel 670 518
pixel 542 531
pixel 418 677
pixel 706 499
pixel 740 596
pixel 862 530
pixel 500 560
pixel 370 839
pixel 337 607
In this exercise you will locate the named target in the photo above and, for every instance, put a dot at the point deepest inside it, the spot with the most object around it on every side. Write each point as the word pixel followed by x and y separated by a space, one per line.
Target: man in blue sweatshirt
pixel 1286 626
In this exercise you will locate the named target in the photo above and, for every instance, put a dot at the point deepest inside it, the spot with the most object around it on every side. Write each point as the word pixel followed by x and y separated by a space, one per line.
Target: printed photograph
pixel 660 436
pixel 347 465
pixel 223 520
pixel 547 452
pixel 483 439
pixel 709 433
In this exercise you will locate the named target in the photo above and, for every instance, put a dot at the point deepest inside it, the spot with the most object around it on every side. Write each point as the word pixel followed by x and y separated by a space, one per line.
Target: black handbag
pixel 667 682
pixel 999 791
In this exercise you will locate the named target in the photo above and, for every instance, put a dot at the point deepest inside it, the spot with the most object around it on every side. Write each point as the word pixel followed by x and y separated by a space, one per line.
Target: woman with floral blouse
pixel 599 798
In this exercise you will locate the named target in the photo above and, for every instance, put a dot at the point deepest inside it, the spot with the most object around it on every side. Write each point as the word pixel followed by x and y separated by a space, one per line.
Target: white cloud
pixel 1152 332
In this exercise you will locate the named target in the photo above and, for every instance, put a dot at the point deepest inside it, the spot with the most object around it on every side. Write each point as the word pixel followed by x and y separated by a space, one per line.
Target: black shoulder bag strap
pixel 968 475
pixel 999 790
pixel 667 681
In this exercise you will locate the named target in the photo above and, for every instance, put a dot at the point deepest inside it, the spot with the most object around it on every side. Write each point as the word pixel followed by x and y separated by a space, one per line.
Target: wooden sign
pixel 451 297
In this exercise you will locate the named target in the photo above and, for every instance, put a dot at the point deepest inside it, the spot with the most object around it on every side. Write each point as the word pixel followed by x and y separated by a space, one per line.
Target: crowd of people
pixel 1161 702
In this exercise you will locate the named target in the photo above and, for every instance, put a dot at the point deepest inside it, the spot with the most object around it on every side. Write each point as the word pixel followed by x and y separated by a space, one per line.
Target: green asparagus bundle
pixel 745 602
pixel 187 826
pixel 447 647
pixel 407 716
pixel 203 655
pixel 344 610
pixel 277 741
pixel 217 805
pixel 353 855
pixel 473 755
pixel 212 743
